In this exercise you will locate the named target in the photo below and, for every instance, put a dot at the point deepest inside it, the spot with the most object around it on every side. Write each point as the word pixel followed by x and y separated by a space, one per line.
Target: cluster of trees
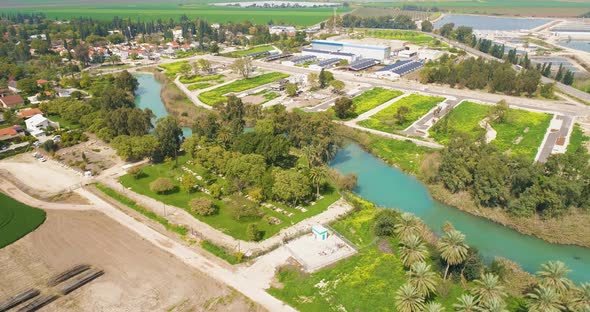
pixel 398 22
pixel 563 75
pixel 451 256
pixel 513 183
pixel 478 73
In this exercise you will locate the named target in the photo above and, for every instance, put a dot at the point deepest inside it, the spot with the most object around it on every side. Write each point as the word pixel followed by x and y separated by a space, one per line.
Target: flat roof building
pixel 363 51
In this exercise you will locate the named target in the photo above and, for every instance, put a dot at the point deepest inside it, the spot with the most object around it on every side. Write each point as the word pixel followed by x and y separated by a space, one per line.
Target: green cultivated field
pixel 373 98
pixel 410 36
pixel 17 220
pixel 217 95
pixel 165 10
pixel 240 53
pixel 386 120
pixel 521 134
pixel 223 220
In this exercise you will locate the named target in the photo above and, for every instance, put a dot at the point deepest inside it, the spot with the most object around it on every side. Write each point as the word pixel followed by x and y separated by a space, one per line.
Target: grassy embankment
pixel 368 279
pixel 216 95
pixel 387 120
pixel 17 220
pixel 241 53
pixel 521 133
pixel 164 10
pixel 223 220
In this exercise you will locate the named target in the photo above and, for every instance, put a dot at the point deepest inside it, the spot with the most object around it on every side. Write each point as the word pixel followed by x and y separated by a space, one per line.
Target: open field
pixel 173 69
pixel 17 220
pixel 521 133
pixel 164 10
pixel 393 12
pixel 409 36
pixel 500 7
pixel 577 140
pixel 368 279
pixel 223 220
pixel 216 95
pixel 138 275
pixel 373 98
pixel 199 86
pixel 388 120
pixel 198 78
pixel 240 53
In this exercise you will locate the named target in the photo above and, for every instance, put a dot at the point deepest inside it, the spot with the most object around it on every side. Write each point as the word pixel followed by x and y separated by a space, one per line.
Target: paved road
pixel 550 144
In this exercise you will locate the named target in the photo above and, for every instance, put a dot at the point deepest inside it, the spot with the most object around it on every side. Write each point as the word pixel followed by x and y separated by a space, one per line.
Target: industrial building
pixel 300 60
pixel 380 53
pixel 363 64
pixel 324 55
pixel 398 69
pixel 325 64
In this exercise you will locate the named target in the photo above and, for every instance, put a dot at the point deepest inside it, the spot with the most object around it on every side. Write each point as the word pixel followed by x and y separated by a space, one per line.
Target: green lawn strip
pixel 577 140
pixel 404 154
pixel 17 220
pixel 386 120
pixel 199 86
pixel 410 36
pixel 197 78
pixel 219 252
pixel 64 123
pixel 240 53
pixel 368 279
pixel 178 229
pixel 216 95
pixel 172 69
pixel 519 121
pixel 373 98
pixel 464 118
pixel 223 220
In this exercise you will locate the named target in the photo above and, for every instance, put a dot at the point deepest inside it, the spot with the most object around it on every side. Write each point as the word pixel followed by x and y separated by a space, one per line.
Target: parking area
pixel 314 254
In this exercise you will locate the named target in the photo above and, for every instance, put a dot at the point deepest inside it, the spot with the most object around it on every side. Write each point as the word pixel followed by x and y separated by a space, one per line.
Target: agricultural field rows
pixel 216 95
pixel 401 114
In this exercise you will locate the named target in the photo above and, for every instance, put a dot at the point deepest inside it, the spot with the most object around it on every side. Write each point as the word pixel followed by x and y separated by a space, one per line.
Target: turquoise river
pixel 391 188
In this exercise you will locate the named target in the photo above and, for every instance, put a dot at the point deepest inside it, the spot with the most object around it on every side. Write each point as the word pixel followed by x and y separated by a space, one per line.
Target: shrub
pixel 136 172
pixel 162 185
pixel 202 206
pixel 244 211
pixel 385 222
pixel 215 190
pixel 253 233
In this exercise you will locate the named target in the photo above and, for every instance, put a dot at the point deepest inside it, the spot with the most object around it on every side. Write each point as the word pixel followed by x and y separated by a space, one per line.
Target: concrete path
pixel 421 126
pixel 556 138
pixel 193 97
pixel 366 115
pixel 396 136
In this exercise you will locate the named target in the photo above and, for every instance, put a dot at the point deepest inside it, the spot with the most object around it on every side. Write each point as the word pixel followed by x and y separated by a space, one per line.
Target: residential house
pixel 11 101
pixel 12 86
pixel 11 133
pixel 37 124
pixel 282 30
pixel 28 113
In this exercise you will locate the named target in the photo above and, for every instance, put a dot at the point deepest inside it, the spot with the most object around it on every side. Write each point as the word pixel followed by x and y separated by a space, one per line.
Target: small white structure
pixel 37 124
pixel 280 30
pixel 429 54
pixel 177 34
pixel 319 232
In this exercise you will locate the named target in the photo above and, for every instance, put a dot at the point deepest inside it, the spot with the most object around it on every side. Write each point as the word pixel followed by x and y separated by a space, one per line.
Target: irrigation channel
pixel 391 188
pixel 147 95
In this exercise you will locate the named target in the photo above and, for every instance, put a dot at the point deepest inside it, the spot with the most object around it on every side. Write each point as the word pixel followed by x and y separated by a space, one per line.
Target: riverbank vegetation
pixel 519 132
pixel 401 266
pixel 218 95
pixel 17 220
pixel 402 113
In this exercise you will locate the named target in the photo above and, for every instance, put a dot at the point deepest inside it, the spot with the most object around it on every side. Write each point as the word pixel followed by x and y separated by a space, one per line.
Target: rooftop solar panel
pixel 303 59
pixel 328 62
pixel 363 64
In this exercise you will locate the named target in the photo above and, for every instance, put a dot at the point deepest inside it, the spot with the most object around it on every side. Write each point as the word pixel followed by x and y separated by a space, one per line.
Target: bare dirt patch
pixel 93 155
pixel 138 276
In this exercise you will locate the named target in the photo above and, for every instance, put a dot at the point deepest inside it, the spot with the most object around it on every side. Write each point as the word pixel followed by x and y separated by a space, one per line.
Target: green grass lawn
pixel 165 10
pixel 199 86
pixel 198 78
pixel 17 220
pixel 465 118
pixel 223 220
pixel 240 53
pixel 386 120
pixel 373 98
pixel 404 154
pixel 217 95
pixel 410 36
pixel 64 123
pixel 172 69
pixel 577 140
pixel 365 282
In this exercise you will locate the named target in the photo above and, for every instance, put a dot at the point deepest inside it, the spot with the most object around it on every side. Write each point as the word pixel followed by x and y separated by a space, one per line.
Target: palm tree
pixel 422 278
pixel 553 274
pixel 412 250
pixel 434 307
pixel 452 248
pixel 489 289
pixel 408 299
pixel 318 175
pixel 408 224
pixel 544 299
pixel 580 298
pixel 312 155
pixel 467 303
pixel 493 305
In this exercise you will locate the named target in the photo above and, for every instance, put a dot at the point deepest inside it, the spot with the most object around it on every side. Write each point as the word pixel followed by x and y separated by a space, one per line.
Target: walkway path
pixel 395 136
pixel 422 125
pixel 556 138
pixel 193 97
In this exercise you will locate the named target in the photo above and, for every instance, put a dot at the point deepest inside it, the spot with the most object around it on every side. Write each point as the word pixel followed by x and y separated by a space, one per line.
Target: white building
pixel 177 34
pixel 324 55
pixel 380 53
pixel 37 124
pixel 429 54
pixel 280 30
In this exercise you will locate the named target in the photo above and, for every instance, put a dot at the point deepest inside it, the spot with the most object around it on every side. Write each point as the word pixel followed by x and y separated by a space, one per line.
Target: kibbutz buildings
pixel 324 49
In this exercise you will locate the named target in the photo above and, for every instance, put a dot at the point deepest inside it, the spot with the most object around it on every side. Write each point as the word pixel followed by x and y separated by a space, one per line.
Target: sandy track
pixel 139 276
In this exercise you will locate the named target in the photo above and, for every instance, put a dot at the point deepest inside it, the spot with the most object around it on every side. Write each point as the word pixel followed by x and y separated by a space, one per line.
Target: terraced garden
pixel 521 132
pixel 217 95
pixel 392 119
pixel 17 220
pixel 373 98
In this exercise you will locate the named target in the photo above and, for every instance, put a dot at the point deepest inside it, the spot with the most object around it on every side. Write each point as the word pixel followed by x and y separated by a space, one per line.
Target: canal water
pixel 582 45
pixel 391 188
pixel 147 95
pixel 482 22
